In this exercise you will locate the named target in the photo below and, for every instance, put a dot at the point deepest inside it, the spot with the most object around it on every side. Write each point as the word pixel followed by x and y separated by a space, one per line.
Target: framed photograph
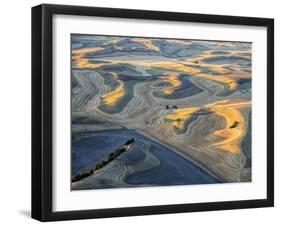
pixel 146 112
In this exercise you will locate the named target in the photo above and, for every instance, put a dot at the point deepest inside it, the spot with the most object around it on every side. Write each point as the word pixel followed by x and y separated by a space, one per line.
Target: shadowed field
pixel 147 163
pixel 187 104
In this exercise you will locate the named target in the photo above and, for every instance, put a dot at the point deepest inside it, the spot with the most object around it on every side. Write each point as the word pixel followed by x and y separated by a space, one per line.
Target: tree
pixel 98 166
pixel 130 141
pixel 234 125
pixel 103 163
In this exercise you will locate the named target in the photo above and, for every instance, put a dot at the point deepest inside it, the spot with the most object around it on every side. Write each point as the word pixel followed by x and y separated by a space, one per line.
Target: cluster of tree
pixel 82 175
pixel 173 107
pixel 115 154
pixel 102 163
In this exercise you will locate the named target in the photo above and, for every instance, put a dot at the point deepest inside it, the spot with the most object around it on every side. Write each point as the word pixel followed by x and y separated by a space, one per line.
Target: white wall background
pixel 15 93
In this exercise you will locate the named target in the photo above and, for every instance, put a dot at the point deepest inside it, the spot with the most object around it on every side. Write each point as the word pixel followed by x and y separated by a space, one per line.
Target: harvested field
pixel 186 103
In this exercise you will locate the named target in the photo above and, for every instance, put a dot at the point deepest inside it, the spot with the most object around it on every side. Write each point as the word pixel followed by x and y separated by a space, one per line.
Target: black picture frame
pixel 42 107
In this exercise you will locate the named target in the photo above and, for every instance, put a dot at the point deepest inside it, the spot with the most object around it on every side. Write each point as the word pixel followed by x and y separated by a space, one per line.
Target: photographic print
pixel 151 111
pixel 131 105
